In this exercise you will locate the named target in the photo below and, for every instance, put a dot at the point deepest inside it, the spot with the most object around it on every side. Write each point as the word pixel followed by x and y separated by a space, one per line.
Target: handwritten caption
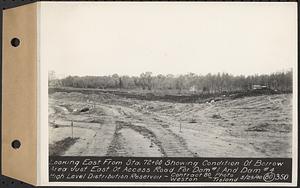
pixel 138 169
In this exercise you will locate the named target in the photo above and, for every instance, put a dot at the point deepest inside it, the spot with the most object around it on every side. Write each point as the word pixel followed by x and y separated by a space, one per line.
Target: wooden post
pixel 72 125
pixel 180 124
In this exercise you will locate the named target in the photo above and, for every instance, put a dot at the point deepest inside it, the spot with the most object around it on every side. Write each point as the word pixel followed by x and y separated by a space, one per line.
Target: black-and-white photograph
pixel 190 80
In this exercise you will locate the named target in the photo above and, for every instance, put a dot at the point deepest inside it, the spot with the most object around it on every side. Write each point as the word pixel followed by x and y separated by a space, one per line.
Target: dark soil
pixel 59 148
pixel 179 98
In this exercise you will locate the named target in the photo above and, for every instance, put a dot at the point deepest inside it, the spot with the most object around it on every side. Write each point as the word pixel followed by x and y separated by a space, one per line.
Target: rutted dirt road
pixel 105 124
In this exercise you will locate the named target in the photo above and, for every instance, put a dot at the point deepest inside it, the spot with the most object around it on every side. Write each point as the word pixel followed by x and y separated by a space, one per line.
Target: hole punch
pixel 16 144
pixel 15 42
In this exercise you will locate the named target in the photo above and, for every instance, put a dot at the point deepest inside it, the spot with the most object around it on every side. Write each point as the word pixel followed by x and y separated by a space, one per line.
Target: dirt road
pixel 258 126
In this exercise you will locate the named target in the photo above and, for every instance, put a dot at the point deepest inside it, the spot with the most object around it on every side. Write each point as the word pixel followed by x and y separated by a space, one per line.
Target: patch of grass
pixel 60 147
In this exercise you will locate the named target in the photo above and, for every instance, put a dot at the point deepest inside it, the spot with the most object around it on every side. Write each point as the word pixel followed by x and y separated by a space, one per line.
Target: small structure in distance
pixel 258 87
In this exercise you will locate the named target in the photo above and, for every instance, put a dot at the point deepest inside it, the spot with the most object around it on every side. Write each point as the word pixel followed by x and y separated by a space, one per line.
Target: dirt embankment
pixel 180 98
pixel 61 146
pixel 112 125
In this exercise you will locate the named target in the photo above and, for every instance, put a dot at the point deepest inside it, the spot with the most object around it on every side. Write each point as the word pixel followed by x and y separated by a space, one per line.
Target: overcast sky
pixel 130 38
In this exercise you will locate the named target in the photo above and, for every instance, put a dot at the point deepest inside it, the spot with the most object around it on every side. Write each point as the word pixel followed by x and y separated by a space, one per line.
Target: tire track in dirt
pixel 173 144
pixel 152 127
pixel 101 141
pixel 120 147
pixel 116 148
pixel 177 145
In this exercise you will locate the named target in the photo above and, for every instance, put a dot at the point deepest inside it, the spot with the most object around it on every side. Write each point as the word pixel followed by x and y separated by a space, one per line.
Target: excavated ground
pixel 110 125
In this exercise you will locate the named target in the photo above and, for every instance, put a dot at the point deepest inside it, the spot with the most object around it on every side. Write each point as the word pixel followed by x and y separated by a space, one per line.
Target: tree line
pixel 209 83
